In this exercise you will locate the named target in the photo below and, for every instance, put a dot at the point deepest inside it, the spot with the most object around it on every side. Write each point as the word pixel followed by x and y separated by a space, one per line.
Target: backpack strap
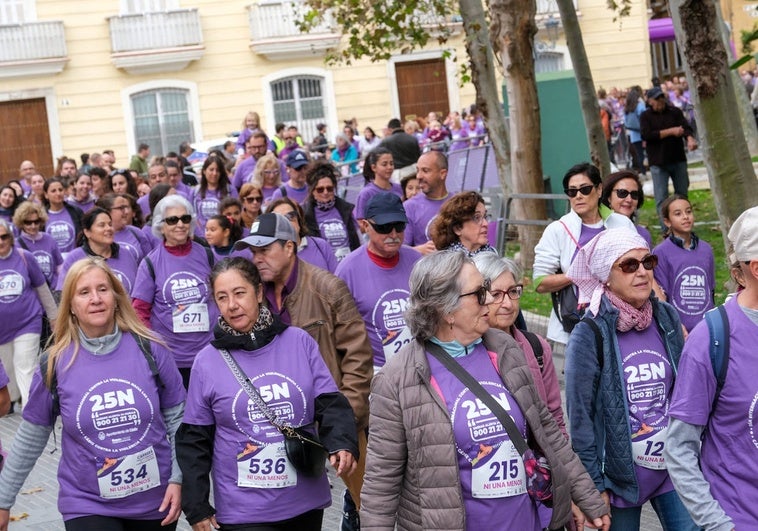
pixel 144 346
pixel 536 345
pixel 598 339
pixel 150 267
pixel 718 329
pixel 283 190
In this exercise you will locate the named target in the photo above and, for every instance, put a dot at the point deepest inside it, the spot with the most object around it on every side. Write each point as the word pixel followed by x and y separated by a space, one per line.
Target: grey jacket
pixel 412 477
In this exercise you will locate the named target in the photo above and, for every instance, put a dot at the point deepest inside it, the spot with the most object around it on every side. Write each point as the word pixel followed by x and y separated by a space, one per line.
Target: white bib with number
pixel 265 467
pixel 191 318
pixel 122 477
pixel 11 285
pixel 394 345
pixel 649 453
pixel 500 476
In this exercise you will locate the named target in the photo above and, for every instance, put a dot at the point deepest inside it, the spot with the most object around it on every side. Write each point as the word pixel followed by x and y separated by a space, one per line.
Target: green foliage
pixel 620 8
pixel 746 38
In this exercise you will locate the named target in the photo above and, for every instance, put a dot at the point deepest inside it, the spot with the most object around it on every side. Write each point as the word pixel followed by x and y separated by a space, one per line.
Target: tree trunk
pixel 512 33
pixel 482 62
pixel 747 118
pixel 587 96
pixel 730 170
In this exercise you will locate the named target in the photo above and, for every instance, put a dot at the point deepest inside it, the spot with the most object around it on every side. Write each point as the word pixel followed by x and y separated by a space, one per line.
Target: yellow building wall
pixel 741 15
pixel 229 79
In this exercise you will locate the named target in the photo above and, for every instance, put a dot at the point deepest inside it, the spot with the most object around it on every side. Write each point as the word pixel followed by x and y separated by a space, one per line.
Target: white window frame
pixel 193 107
pixel 148 6
pixel 28 12
pixel 451 74
pixel 327 88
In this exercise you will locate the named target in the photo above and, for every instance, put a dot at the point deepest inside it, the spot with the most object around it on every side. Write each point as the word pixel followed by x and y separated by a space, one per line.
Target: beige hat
pixel 744 235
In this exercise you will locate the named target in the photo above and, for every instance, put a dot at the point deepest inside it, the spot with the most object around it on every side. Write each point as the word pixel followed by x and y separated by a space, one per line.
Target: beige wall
pixel 741 15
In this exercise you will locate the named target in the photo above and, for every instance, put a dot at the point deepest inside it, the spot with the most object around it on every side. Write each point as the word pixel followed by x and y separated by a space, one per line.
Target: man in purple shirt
pixel 712 446
pixel 431 172
pixel 296 188
pixel 256 147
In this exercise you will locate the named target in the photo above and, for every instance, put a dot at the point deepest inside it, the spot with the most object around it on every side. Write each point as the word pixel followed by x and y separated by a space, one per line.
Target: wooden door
pixel 24 135
pixel 422 88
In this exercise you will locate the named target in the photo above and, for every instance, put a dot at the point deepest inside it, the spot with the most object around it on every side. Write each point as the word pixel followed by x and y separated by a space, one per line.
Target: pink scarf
pixel 629 316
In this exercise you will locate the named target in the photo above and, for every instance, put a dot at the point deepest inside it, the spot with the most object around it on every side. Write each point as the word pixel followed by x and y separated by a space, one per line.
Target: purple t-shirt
pixel 318 252
pixel 687 278
pixel 289 373
pixel 116 459
pixel 421 211
pixel 729 454
pixel 369 191
pixel 133 241
pixel 144 205
pixel 493 479
pixel 244 172
pixel 459 139
pixel 298 195
pixel 334 231
pixel 20 309
pixel 46 253
pixel 183 310
pixel 648 379
pixel 124 266
pixel 382 301
pixel 207 207
pixel 84 206
pixel 154 241
pixel 61 227
pixel 642 231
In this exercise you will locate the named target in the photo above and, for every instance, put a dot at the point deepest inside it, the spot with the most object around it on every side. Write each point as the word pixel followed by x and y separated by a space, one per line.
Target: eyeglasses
pixel 481 293
pixel 623 194
pixel 257 148
pixel 286 138
pixel 478 217
pixel 122 208
pixel 30 222
pixel 253 199
pixel 386 228
pixel 173 220
pixel 270 172
pixel 514 293
pixel 291 215
pixel 584 190
pixel 631 265
pixel 324 189
pixel 5 237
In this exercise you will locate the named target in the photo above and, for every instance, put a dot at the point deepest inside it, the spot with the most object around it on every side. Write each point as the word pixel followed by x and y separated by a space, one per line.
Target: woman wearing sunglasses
pixel 437 457
pixel 326 215
pixel 30 219
pixel 621 364
pixel 171 293
pixel 622 193
pixel 563 238
pixel 251 197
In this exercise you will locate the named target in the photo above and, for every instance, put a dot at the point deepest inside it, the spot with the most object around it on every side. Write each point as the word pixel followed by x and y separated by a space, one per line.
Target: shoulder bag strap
pixel 475 387
pixel 570 235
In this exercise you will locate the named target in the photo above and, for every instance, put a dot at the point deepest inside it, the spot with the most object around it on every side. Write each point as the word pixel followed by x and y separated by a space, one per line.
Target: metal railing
pixel 271 19
pixel 157 30
pixel 31 41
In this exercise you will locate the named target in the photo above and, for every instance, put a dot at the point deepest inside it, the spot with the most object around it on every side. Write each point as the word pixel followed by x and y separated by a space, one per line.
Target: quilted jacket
pixel 596 400
pixel 412 476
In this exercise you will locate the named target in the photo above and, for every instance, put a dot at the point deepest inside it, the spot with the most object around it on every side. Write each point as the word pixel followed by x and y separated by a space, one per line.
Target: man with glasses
pixel 255 148
pixel 313 299
pixel 25 172
pixel 292 142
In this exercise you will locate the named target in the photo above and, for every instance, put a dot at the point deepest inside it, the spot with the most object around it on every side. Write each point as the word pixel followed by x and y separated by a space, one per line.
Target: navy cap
pixel 266 229
pixel 385 207
pixel 654 93
pixel 297 159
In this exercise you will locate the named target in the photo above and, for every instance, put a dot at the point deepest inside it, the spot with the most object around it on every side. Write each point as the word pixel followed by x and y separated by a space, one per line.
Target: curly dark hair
pixel 456 210
pixel 318 170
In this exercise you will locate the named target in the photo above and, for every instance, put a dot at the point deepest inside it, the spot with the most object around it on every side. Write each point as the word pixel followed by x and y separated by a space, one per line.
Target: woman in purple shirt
pixel 120 400
pixel 226 436
pixel 30 219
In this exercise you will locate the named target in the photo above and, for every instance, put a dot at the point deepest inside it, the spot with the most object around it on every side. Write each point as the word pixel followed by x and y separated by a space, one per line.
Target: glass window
pixel 299 101
pixel 162 119
pixel 12 11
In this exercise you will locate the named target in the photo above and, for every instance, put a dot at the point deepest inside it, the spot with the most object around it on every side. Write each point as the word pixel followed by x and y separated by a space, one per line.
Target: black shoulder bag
pixel 304 450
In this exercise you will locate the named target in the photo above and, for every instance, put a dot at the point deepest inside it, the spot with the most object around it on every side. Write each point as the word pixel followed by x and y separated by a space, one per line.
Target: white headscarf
pixel 592 265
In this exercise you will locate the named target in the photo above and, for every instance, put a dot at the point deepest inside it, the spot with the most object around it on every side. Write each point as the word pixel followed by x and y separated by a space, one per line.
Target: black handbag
pixel 539 480
pixel 304 450
pixel 566 307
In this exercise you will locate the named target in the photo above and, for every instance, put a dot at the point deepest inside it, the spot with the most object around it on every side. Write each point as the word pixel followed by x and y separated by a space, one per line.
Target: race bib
pixel 648 452
pixel 265 467
pixel 191 318
pixel 341 252
pixel 123 476
pixel 498 472
pixel 11 285
pixel 392 345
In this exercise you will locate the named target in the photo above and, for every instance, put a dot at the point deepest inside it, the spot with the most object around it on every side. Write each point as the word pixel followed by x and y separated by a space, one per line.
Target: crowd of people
pixel 230 330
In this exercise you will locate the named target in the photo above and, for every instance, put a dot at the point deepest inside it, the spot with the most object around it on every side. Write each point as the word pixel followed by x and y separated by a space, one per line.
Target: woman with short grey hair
pixel 170 292
pixel 439 459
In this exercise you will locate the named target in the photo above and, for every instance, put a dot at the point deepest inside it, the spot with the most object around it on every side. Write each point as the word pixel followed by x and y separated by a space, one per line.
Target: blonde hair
pixel 24 209
pixel 266 162
pixel 66 331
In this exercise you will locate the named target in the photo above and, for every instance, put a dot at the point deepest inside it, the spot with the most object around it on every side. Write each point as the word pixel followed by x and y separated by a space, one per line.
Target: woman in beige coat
pixel 437 457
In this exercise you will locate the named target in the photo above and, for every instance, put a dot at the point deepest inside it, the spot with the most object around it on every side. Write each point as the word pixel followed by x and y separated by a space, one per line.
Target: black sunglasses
pixel 481 293
pixel 5 236
pixel 631 265
pixel 622 194
pixel 387 228
pixel 584 190
pixel 173 220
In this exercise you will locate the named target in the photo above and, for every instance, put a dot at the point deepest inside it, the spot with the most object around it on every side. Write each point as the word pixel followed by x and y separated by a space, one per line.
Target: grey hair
pixel 171 201
pixel 342 136
pixel 5 223
pixel 435 289
pixel 491 266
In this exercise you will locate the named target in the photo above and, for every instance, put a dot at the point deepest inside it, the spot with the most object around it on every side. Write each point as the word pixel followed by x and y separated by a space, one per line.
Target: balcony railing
pixel 157 41
pixel 32 48
pixel 549 9
pixel 274 33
